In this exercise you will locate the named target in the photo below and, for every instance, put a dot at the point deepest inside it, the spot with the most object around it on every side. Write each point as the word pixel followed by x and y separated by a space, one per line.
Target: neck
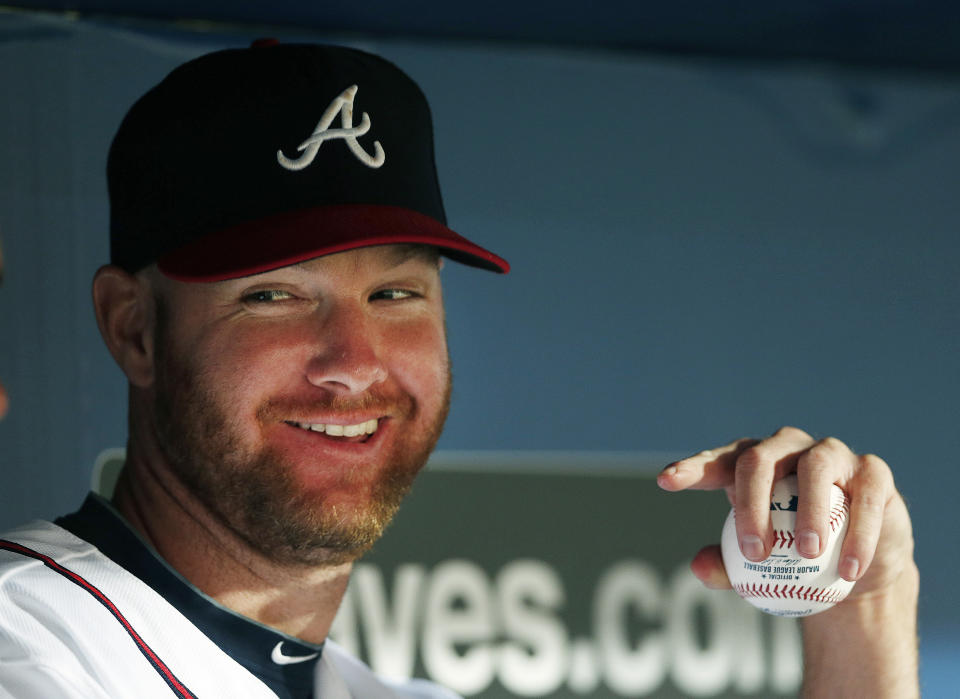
pixel 300 600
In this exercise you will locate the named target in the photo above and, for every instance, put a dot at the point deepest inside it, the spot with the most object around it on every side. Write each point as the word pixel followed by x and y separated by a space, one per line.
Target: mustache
pixel 374 401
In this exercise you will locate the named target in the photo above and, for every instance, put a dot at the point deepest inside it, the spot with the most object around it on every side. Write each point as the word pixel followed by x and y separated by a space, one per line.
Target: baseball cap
pixel 246 160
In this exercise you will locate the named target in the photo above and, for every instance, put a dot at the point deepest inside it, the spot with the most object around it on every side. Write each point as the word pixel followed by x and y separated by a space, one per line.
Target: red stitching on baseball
pixel 783 539
pixel 810 594
pixel 839 512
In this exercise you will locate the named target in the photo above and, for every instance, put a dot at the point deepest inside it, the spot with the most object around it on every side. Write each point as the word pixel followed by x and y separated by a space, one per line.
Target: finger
pixel 818 469
pixel 870 494
pixel 708 470
pixel 755 471
pixel 707 565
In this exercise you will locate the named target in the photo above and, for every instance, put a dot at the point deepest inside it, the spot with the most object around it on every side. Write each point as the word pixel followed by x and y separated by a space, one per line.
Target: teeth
pixel 368 427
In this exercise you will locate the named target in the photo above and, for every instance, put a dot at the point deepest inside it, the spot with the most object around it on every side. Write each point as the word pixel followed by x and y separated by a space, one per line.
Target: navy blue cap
pixel 246 160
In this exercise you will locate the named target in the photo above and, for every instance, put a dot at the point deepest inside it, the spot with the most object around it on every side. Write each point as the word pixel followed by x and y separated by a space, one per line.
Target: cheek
pixel 418 359
pixel 240 366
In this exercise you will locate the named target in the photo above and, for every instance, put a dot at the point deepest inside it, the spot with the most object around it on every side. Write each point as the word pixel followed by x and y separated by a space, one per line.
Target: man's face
pixel 299 404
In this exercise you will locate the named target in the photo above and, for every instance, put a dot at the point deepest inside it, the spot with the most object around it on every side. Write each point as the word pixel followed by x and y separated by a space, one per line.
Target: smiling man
pixel 274 301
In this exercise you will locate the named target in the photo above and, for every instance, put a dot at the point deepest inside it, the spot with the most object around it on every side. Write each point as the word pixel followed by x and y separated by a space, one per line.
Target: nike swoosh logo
pixel 277 655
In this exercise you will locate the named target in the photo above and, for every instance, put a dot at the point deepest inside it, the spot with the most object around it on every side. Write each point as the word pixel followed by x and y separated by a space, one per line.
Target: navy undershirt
pixel 246 641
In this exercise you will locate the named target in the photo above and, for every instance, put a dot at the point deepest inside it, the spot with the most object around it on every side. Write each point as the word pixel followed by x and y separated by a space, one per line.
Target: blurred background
pixel 722 218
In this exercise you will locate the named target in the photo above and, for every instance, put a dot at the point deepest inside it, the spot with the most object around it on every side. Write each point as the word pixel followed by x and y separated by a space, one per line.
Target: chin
pixel 320 528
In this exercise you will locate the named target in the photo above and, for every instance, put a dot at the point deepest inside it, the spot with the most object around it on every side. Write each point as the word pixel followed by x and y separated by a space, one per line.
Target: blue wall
pixel 701 250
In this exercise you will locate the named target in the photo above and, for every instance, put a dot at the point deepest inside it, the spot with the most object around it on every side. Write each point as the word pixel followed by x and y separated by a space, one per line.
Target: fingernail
pixel 752 547
pixel 849 567
pixel 668 477
pixel 808 542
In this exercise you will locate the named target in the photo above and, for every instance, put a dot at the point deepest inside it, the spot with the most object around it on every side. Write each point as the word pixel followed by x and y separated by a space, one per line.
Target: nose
pixel 347 359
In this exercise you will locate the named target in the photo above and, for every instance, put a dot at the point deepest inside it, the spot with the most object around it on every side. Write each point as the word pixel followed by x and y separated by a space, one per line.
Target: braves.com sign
pixel 502 581
pixel 554 575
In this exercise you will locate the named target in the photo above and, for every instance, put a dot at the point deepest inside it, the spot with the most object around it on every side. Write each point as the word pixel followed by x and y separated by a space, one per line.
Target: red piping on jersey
pixel 178 688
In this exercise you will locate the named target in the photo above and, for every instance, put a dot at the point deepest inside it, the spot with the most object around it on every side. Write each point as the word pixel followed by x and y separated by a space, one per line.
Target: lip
pixel 318 462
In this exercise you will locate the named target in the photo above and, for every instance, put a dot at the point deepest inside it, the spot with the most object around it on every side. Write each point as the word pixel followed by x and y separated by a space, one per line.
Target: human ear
pixel 124 306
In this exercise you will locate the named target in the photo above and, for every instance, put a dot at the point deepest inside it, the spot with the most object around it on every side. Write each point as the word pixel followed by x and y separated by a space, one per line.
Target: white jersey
pixel 75 623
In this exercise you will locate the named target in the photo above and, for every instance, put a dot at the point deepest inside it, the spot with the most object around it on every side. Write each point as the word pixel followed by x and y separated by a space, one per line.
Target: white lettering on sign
pixel 472 630
pixel 699 667
pixel 533 659
pixel 390 628
pixel 630 666
pixel 458 614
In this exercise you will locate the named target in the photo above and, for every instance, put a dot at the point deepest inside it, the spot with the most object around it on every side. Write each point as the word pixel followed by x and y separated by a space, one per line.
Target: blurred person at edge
pixel 4 401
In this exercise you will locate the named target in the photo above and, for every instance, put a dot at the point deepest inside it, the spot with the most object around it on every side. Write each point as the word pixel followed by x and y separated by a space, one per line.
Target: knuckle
pixel 752 460
pixel 871 503
pixel 873 465
pixel 817 461
pixel 791 432
pixel 875 472
pixel 832 444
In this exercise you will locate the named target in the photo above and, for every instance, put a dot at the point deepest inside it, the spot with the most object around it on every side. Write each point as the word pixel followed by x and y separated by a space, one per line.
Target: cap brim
pixel 286 239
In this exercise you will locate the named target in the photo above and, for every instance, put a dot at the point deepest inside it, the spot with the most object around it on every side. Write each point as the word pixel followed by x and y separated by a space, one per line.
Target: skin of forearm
pixel 865 647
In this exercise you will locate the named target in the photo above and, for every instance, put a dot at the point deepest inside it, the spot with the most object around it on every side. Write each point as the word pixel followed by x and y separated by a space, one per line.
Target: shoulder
pixel 74 623
pixel 39 539
pixel 31 552
pixel 36 654
pixel 360 678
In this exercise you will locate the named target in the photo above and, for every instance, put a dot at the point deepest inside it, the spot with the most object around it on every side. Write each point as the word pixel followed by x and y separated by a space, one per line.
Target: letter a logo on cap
pixel 342 105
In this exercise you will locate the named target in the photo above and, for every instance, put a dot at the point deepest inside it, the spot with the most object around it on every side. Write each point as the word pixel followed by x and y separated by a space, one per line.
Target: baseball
pixel 786 584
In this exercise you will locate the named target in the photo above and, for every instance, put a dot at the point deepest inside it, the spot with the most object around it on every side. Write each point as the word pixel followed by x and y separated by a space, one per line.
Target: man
pixel 274 301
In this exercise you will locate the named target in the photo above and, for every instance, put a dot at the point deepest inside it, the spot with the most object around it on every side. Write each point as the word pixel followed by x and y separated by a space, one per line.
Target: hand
pixel 878 547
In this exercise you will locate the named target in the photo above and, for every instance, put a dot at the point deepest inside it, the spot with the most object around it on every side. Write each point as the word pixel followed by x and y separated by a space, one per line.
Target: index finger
pixel 709 470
